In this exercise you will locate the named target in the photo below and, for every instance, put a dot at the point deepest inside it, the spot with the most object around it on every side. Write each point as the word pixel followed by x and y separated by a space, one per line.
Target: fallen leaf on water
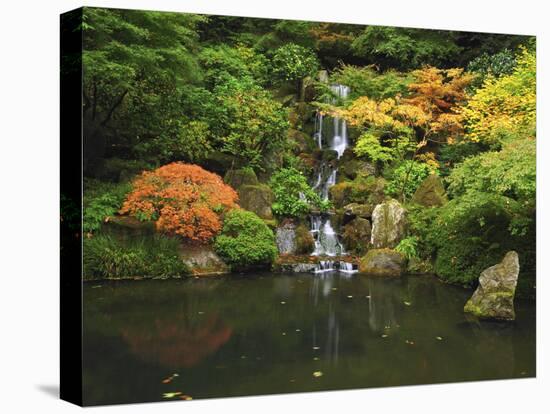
pixel 284 333
pixel 171 394
pixel 439 338
pixel 334 288
pixel 201 313
pixel 292 380
pixel 167 380
pixel 283 303
pixel 349 296
pixel 186 397
pixel 316 347
pixel 298 330
pixel 407 303
pixel 384 336
pixel 368 297
pixel 243 356
pixel 96 286
pixel 317 374
pixel 409 342
pixel 316 359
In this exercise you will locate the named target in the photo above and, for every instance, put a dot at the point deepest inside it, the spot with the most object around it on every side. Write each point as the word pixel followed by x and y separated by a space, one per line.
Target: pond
pixel 266 333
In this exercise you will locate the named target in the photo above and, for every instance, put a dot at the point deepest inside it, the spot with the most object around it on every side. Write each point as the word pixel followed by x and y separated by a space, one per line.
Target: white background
pixel 29 174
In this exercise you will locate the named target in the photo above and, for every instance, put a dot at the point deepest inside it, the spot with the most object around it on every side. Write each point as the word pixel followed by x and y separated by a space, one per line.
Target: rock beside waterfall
pixel 285 236
pixel 382 262
pixel 305 243
pixel 431 192
pixel 369 190
pixel 494 297
pixel 256 198
pixel 356 235
pixel 389 224
pixel 358 210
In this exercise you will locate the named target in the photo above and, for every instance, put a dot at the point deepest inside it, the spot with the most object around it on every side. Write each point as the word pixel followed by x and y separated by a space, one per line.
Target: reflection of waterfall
pixel 327 241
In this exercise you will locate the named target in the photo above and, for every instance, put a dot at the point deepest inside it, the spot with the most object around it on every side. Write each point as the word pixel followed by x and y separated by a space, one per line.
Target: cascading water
pixel 326 239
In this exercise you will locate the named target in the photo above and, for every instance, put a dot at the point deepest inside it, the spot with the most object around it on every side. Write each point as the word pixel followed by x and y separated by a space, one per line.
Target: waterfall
pixel 326 239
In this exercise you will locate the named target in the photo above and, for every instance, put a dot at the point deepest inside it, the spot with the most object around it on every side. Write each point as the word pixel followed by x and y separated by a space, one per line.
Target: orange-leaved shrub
pixel 183 199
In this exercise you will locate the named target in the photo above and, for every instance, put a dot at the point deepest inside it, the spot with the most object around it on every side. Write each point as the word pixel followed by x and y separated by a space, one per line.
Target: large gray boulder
pixel 494 297
pixel 382 262
pixel 389 224
pixel 285 236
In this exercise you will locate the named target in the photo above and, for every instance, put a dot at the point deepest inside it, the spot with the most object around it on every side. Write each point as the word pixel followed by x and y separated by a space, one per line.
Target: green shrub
pixel 292 62
pixel 293 195
pixel 105 257
pixel 245 241
pixel 408 247
pixel 406 178
pixel 100 201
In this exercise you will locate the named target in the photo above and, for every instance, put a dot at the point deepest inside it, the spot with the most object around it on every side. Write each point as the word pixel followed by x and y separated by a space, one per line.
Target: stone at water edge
pixel 389 224
pixel 382 262
pixel 494 297
pixel 202 260
pixel 431 192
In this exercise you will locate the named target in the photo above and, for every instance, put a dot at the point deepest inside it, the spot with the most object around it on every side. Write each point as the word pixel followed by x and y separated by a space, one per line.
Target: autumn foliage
pixel 183 199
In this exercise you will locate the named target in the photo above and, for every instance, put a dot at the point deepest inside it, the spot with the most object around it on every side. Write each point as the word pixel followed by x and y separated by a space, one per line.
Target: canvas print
pixel 257 206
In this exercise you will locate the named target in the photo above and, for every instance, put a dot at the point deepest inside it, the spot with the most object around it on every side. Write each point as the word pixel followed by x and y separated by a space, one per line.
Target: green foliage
pixel 254 124
pixel 293 195
pixel 222 62
pixel 245 241
pixel 510 172
pixel 406 178
pixel 100 201
pixel 408 247
pixel 451 155
pixel 105 257
pixel 406 48
pixel 179 141
pixel 135 64
pixel 496 65
pixel 293 62
pixel 504 105
pixel 473 232
pixel 366 81
pixel 370 145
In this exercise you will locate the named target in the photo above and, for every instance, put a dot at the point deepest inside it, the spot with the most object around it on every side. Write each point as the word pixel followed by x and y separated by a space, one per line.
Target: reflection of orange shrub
pixel 174 345
pixel 184 199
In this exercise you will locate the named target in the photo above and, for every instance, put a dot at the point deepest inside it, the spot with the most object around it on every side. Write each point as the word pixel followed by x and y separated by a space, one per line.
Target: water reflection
pixel 265 334
pixel 178 342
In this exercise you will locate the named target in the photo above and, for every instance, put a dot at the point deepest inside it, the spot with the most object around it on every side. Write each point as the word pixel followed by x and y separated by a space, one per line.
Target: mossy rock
pixel 353 210
pixel 356 236
pixel 305 243
pixel 389 224
pixel 256 198
pixel 431 192
pixel 202 260
pixel 382 262
pixel 241 176
pixel 356 168
pixel 361 191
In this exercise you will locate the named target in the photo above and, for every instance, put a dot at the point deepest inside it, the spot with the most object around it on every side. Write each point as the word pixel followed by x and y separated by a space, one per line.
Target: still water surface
pixel 264 334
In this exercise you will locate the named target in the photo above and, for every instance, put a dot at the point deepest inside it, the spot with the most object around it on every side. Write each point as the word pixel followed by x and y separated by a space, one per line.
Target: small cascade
pixel 327 241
